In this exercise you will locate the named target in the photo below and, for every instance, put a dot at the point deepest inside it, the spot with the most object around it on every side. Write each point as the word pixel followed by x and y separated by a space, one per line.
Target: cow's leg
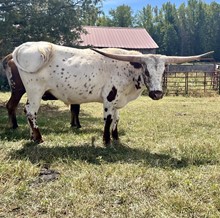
pixel 108 118
pixel 106 135
pixel 31 109
pixel 31 114
pixel 115 125
pixel 12 106
pixel 75 108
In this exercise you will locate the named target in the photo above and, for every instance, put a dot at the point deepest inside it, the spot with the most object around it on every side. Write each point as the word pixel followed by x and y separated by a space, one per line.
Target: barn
pixel 118 37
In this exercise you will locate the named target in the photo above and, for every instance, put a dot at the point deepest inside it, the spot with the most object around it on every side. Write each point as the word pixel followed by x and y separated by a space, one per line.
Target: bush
pixel 4 86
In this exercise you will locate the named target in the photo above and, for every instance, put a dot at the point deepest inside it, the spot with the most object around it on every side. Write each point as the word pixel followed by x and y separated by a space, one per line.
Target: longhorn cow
pixel 113 77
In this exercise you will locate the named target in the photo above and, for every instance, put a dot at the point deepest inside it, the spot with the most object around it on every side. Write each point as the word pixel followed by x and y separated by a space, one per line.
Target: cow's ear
pixel 136 65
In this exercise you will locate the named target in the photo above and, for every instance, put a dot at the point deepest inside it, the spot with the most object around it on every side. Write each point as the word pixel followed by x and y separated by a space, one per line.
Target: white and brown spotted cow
pixel 18 90
pixel 113 77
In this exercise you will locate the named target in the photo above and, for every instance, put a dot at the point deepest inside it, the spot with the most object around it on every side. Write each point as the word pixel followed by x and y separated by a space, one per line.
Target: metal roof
pixel 118 37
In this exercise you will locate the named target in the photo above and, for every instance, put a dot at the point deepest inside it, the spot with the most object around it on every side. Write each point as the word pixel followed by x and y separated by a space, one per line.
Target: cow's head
pixel 154 67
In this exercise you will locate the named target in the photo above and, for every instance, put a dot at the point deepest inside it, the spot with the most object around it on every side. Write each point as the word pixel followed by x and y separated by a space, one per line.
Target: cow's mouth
pixel 156 95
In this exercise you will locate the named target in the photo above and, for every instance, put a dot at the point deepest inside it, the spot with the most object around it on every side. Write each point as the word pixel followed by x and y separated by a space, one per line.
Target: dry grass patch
pixel 166 164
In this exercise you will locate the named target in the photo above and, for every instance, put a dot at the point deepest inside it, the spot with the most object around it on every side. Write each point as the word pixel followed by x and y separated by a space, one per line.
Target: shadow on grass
pixel 50 120
pixel 84 152
pixel 23 131
pixel 50 127
pixel 95 155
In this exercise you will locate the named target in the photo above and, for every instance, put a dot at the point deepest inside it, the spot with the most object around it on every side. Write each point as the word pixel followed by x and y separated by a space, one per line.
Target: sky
pixel 137 5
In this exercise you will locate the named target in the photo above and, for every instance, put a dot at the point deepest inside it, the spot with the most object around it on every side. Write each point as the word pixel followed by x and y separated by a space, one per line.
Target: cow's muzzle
pixel 156 95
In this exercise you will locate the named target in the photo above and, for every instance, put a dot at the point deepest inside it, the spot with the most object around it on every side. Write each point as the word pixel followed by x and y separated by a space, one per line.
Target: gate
pixel 192 79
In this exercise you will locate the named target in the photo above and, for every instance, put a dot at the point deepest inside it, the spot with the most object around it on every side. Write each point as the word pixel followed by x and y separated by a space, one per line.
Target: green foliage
pixel 170 41
pixel 166 164
pixel 4 83
pixel 122 16
pixel 104 21
pixel 4 86
pixel 145 18
pixel 58 21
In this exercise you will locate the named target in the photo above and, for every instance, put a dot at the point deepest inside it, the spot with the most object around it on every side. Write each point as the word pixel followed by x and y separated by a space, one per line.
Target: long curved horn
pixel 122 57
pixel 182 59
pixel 140 58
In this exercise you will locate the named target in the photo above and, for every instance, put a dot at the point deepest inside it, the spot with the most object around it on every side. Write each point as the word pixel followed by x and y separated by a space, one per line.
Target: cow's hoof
pixel 78 126
pixel 107 144
pixel 37 141
pixel 14 127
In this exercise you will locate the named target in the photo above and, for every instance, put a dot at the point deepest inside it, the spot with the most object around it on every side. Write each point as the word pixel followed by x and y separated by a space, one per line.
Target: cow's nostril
pixel 156 95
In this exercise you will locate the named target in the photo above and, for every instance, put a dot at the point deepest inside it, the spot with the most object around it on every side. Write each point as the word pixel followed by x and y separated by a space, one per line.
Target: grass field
pixel 167 163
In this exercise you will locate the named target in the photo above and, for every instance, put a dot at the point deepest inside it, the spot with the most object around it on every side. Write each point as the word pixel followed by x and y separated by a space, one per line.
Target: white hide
pixel 76 76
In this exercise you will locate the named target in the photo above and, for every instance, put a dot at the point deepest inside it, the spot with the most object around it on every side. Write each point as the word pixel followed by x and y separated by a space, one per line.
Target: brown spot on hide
pixel 138 85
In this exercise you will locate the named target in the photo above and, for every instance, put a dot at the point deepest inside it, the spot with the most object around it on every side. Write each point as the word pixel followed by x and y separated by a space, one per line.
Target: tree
pixel 170 45
pixel 104 21
pixel 169 29
pixel 144 18
pixel 58 21
pixel 183 32
pixel 122 16
pixel 213 31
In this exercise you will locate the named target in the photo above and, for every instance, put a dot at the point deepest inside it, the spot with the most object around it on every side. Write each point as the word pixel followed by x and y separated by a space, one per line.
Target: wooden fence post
pixel 186 83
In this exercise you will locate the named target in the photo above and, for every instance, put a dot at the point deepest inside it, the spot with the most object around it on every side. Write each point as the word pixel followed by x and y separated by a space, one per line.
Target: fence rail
pixel 192 79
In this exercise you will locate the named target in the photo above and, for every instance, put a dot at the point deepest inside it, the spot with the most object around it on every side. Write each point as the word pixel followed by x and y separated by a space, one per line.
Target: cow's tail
pixel 7 68
pixel 5 61
pixel 32 56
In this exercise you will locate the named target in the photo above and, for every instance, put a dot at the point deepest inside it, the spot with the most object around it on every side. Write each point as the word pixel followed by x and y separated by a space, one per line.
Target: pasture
pixel 167 163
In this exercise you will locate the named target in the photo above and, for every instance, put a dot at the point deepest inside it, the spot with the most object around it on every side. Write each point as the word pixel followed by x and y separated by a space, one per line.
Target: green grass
pixel 167 163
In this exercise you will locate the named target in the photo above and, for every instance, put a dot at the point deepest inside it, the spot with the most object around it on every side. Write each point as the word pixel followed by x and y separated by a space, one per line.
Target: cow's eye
pixel 136 65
